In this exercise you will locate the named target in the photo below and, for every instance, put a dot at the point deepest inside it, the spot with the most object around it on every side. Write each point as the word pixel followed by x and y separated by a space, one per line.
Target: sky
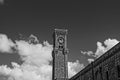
pixel 93 28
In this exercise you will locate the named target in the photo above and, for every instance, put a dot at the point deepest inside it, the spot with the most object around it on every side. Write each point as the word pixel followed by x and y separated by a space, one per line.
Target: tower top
pixel 60 38
pixel 61 31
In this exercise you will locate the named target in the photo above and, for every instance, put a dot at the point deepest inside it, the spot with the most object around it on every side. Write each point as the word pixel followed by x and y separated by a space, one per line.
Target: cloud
pixel 89 53
pixel 34 53
pixel 90 60
pixel 32 72
pixel 101 48
pixel 74 67
pixel 109 43
pixel 1 1
pixel 36 59
pixel 6 44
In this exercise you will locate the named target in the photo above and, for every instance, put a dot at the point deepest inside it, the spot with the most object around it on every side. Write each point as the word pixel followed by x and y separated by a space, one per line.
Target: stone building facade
pixel 106 67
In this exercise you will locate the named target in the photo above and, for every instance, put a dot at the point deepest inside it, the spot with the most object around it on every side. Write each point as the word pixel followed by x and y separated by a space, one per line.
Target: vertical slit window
pixel 118 70
pixel 107 76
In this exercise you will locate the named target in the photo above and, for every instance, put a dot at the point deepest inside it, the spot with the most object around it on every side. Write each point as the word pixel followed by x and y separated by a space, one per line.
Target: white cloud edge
pixel 36 59
pixel 101 48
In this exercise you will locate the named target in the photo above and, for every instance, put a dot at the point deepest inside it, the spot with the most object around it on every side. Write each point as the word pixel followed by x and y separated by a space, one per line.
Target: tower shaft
pixel 60 51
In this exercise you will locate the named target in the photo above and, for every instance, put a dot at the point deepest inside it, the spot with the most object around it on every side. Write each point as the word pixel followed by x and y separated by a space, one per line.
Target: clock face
pixel 61 40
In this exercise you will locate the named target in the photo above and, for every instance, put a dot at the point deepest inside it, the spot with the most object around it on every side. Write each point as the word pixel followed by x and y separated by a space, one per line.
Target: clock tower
pixel 60 51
